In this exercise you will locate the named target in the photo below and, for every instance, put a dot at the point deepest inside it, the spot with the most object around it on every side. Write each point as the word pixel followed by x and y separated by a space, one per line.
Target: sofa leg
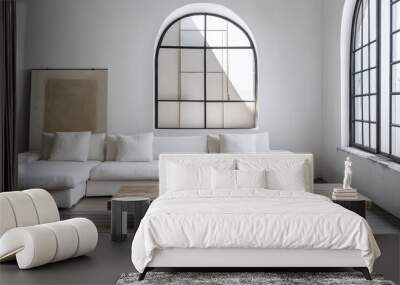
pixel 365 272
pixel 142 275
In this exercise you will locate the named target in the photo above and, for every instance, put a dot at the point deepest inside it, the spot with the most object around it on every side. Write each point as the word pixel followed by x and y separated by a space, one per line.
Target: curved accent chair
pixel 31 231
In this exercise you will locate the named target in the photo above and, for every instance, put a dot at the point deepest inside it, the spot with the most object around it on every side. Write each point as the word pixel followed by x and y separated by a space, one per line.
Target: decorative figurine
pixel 347 174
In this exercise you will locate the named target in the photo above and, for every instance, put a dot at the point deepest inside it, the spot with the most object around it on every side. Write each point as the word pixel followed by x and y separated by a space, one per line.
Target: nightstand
pixel 358 205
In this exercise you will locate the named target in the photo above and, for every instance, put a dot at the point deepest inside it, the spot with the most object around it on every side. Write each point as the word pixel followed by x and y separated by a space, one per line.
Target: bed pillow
pixel 135 148
pixel 282 174
pixel 251 179
pixel 223 179
pixel 46 146
pixel 238 143
pixel 237 179
pixel 292 179
pixel 183 177
pixel 96 148
pixel 70 146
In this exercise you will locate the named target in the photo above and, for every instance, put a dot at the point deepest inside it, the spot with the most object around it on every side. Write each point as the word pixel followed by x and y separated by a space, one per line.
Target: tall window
pixel 375 77
pixel 206 74
pixel 395 80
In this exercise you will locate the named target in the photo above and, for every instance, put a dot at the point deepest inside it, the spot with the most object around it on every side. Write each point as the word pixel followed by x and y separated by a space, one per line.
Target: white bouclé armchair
pixel 31 231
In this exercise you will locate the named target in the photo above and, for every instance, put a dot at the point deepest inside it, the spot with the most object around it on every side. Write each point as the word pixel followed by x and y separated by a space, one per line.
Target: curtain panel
pixel 8 159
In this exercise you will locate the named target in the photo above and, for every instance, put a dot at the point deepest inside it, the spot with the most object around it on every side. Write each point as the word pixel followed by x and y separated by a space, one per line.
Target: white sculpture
pixel 347 174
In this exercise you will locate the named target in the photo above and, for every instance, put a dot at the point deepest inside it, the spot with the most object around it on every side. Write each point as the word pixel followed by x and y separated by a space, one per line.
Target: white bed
pixel 194 224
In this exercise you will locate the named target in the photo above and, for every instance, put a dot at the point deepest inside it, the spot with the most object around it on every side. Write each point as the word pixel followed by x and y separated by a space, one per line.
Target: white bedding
pixel 251 218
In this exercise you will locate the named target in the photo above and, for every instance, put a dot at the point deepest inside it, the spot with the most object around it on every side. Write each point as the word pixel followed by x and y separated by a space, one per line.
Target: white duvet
pixel 250 219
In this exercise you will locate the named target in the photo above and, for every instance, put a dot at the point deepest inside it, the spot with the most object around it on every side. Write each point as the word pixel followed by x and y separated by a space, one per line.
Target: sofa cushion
pixel 135 148
pixel 125 171
pixel 52 175
pixel 70 146
pixel 237 143
pixel 96 149
pixel 47 145
pixel 262 143
pixel 185 144
pixel 111 147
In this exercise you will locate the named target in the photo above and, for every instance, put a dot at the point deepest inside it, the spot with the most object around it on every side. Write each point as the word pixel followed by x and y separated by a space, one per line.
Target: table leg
pixel 116 221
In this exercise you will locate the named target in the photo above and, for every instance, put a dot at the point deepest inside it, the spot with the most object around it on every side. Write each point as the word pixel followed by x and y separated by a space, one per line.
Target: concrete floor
pixel 111 259
pixel 103 266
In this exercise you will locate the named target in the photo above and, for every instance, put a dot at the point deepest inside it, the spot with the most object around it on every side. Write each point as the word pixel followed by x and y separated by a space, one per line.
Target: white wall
pixel 380 183
pixel 120 35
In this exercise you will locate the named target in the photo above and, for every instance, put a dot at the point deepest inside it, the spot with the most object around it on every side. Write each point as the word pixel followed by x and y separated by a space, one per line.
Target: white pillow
pixel 71 146
pixel 135 148
pixel 238 143
pixel 111 147
pixel 292 179
pixel 96 148
pixel 223 179
pixel 282 174
pixel 183 177
pixel 46 146
pixel 251 179
pixel 237 179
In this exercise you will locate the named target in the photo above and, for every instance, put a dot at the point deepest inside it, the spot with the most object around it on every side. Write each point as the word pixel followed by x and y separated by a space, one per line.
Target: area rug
pixel 268 278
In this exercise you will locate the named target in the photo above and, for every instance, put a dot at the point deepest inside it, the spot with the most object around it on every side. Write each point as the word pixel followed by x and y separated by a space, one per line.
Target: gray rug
pixel 269 278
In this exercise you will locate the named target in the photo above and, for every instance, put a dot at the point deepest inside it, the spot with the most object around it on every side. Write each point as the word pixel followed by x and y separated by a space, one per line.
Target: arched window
pixel 364 76
pixel 205 75
pixel 375 77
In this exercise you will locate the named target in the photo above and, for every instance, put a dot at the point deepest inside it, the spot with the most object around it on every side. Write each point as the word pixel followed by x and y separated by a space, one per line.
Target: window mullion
pixel 205 71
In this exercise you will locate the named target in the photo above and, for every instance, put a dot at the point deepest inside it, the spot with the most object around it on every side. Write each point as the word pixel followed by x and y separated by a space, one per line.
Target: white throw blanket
pixel 251 218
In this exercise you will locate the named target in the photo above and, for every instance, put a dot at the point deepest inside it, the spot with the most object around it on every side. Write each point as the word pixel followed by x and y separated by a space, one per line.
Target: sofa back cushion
pixel 111 147
pixel 184 144
pixel 70 146
pixel 261 144
pixel 96 149
pixel 47 145
pixel 135 148
pixel 237 143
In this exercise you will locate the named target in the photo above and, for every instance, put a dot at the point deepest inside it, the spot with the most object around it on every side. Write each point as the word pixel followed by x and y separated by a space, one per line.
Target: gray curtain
pixel 8 159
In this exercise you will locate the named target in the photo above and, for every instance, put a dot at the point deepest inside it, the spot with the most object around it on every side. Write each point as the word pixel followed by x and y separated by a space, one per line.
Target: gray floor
pixel 103 266
pixel 110 259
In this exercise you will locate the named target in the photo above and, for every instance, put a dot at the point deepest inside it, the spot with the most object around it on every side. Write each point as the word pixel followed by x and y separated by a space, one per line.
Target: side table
pixel 357 205
pixel 120 207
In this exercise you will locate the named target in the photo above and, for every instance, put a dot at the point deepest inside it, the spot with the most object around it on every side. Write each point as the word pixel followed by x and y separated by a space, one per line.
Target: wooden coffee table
pixel 120 208
pixel 147 190
pixel 130 200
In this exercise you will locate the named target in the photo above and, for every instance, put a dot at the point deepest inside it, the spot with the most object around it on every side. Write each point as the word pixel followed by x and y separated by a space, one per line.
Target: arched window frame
pixel 387 128
pixel 252 47
pixel 372 145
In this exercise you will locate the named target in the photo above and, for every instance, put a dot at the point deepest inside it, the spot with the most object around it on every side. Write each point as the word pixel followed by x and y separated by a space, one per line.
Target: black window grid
pixel 392 93
pixel 365 69
pixel 205 72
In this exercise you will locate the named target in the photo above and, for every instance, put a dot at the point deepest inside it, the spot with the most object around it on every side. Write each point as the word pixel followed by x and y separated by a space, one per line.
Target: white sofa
pixel 69 181
pixel 31 231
